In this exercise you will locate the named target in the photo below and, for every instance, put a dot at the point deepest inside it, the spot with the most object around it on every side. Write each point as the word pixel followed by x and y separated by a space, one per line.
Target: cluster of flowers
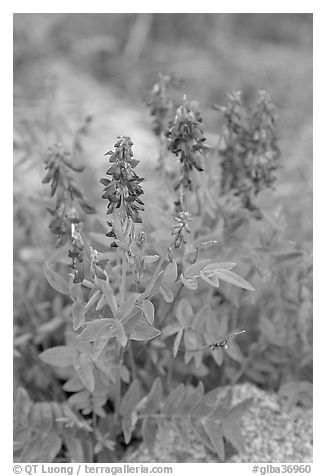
pixel 66 191
pixel 66 221
pixel 186 141
pixel 250 154
pixel 123 189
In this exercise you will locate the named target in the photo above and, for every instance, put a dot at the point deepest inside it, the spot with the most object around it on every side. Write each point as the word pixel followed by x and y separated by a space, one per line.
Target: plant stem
pixel 132 361
pixel 117 390
pixel 123 278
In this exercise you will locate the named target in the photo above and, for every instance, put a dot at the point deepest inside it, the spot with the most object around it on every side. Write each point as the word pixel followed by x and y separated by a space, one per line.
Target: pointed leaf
pixel 78 315
pixel 232 432
pixel 128 425
pixel 119 332
pixel 126 308
pixel 217 266
pixel 215 432
pixel 154 398
pixel 144 331
pixel 55 280
pixel 190 283
pixel 233 278
pixel 59 356
pixel 102 338
pixel 84 367
pixel 167 294
pixel 131 398
pixel 193 271
pixel 174 400
pixel 184 313
pixel 74 384
pixel 170 274
pixel 149 310
pixel 210 278
pixel 92 329
pixel 176 343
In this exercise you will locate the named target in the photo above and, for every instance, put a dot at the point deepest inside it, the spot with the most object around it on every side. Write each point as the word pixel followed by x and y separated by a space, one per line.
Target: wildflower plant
pixel 146 313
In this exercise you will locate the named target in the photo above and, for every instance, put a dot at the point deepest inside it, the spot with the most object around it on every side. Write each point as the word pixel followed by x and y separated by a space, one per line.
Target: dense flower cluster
pixel 67 193
pixel 123 189
pixel 186 141
pixel 250 154
pixel 181 228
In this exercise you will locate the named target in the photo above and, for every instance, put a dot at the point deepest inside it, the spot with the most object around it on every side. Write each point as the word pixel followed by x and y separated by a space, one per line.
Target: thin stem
pixel 123 278
pixel 117 391
pixel 132 361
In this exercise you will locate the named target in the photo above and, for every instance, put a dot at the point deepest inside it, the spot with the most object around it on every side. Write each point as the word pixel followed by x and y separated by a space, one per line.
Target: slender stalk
pixel 123 278
pixel 132 361
pixel 117 399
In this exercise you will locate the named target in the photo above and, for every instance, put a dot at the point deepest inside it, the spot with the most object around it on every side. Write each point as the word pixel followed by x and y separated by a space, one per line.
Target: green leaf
pixel 238 410
pixel 234 351
pixel 126 308
pixel 149 311
pixel 182 429
pixel 119 332
pixel 84 367
pixel 217 266
pixel 59 356
pixel 149 431
pixel 144 331
pixel 78 315
pixel 74 384
pixel 184 313
pixel 92 300
pixel 233 278
pixel 215 432
pixel 93 328
pixel 55 280
pixel 176 343
pixel 193 397
pixel 102 337
pixel 210 278
pixel 201 433
pixel 190 283
pixel 194 270
pixel 232 432
pixel 128 425
pixel 170 274
pixel 154 398
pixel 174 400
pixel 167 294
pixel 130 398
pixel 80 399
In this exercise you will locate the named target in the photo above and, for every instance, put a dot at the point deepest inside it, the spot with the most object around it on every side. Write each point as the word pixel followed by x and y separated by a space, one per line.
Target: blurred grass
pixel 69 65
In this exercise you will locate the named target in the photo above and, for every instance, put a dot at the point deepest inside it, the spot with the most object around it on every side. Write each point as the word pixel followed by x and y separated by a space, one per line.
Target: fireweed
pixel 141 317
